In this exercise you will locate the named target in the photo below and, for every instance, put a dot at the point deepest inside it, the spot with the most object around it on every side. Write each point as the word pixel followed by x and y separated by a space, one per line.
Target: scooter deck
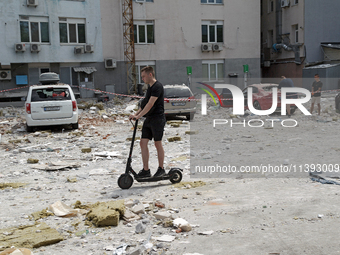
pixel 153 179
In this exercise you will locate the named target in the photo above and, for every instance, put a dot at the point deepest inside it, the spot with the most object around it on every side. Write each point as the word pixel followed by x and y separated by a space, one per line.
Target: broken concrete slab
pixel 162 215
pixel 31 236
pixel 104 214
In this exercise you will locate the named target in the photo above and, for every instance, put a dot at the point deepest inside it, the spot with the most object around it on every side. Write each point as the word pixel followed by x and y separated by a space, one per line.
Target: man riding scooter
pixel 152 108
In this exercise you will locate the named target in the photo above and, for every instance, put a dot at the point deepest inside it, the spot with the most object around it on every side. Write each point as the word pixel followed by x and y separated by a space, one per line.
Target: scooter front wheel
pixel 176 176
pixel 125 181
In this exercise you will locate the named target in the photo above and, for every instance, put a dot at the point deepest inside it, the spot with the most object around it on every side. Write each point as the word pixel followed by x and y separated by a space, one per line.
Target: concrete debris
pixel 140 228
pixel 17 251
pixel 106 154
pixel 162 215
pixel 130 216
pixel 31 236
pixel 56 165
pixel 206 233
pixel 165 238
pixel 138 208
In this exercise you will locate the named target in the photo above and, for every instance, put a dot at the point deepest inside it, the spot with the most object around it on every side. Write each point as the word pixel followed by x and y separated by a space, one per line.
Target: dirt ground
pixel 242 214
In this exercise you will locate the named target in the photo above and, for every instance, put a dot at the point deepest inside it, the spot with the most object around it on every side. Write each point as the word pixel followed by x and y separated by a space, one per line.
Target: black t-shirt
pixel 317 85
pixel 156 90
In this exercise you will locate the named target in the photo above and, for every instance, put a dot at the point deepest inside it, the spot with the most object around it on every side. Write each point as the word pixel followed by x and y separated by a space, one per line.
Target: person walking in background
pixel 316 93
pixel 286 82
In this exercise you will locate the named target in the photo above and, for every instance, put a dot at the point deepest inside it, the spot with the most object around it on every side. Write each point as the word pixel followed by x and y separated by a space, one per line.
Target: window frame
pixel 218 75
pixel 76 22
pixel 296 33
pixel 139 66
pixel 143 23
pixel 214 2
pixel 30 20
pixel 215 24
pixel 271 6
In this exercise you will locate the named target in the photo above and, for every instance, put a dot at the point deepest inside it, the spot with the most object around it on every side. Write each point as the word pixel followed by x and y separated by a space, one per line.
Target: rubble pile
pixel 45 174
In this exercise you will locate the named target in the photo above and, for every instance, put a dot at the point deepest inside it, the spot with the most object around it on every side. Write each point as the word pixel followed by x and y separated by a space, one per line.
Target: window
pixel 270 6
pixel 144 32
pixel 139 65
pixel 72 30
pixel 296 2
pixel 212 31
pixel 270 39
pixel 212 70
pixel 296 33
pixel 211 1
pixel 34 29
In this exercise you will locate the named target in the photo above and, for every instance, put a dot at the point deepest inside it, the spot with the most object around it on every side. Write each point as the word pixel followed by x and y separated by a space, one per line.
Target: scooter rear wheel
pixel 125 181
pixel 176 176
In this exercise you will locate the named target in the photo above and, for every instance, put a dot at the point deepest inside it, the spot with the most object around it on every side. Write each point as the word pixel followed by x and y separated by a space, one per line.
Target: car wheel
pixel 338 108
pixel 190 116
pixel 75 126
pixel 257 105
pixel 292 110
pixel 29 128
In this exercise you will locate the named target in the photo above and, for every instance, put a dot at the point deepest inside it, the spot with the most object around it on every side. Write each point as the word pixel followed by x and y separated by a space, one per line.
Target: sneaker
pixel 160 172
pixel 144 173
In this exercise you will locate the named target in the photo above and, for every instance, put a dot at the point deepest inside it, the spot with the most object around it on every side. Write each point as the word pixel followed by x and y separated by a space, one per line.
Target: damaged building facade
pixel 70 36
pixel 48 36
pixel 300 38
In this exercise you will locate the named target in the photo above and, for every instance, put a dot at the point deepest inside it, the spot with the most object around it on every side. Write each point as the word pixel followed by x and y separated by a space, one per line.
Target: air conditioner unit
pixel 32 3
pixel 35 47
pixel 79 50
pixel 89 48
pixel 20 47
pixel 206 47
pixel 284 3
pixel 110 63
pixel 5 75
pixel 217 47
pixel 266 63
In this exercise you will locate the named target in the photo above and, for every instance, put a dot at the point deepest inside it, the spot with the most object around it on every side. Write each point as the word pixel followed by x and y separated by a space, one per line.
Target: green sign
pixel 245 68
pixel 189 70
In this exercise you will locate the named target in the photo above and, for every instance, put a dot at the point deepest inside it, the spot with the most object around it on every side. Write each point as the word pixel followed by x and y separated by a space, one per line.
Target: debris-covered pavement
pixel 59 192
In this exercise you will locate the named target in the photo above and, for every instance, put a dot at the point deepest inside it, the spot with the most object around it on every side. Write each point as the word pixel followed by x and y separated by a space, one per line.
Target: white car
pixel 49 105
pixel 183 105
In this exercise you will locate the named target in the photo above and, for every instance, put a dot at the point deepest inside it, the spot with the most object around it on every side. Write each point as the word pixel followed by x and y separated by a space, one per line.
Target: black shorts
pixel 153 127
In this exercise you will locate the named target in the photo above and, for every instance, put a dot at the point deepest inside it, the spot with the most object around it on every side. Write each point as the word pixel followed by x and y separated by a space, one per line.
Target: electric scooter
pixel 125 181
